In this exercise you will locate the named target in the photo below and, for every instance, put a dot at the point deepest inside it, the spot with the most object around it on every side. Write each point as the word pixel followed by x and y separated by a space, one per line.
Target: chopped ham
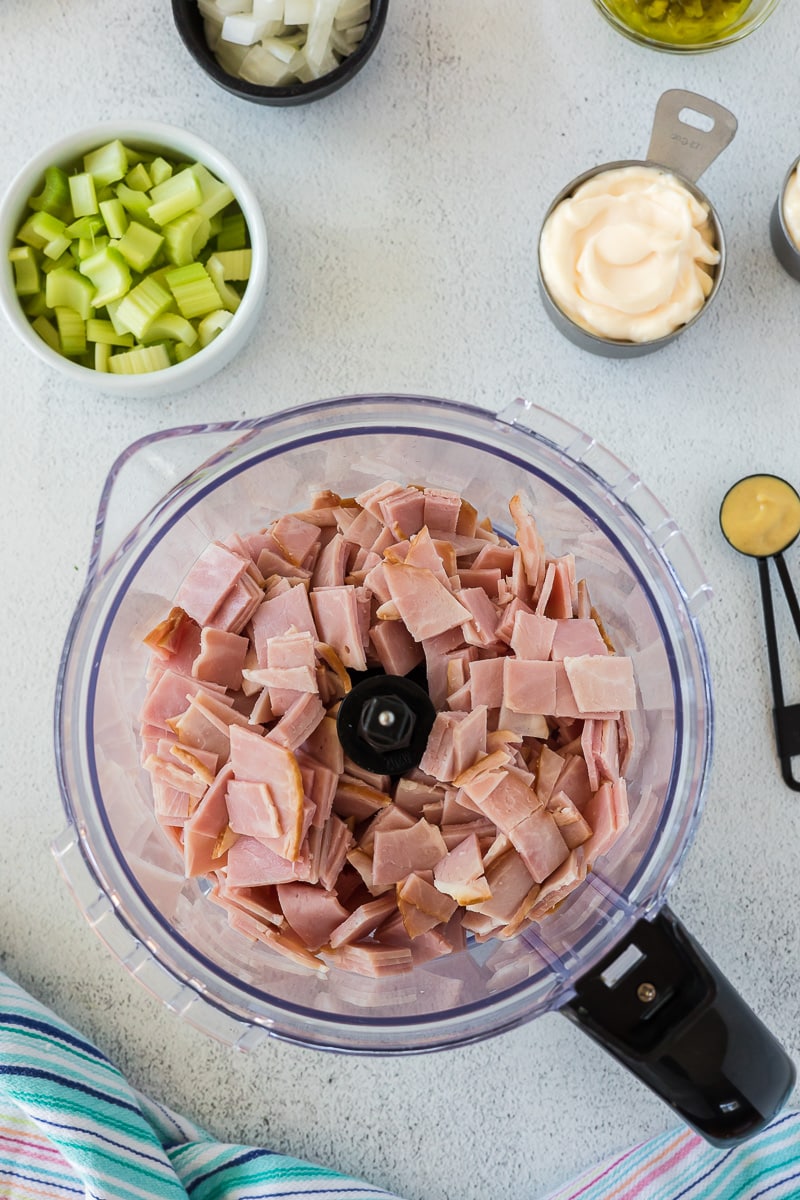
pixel 312 912
pixel 212 578
pixel 337 620
pixel 425 605
pixel 398 852
pixel 601 682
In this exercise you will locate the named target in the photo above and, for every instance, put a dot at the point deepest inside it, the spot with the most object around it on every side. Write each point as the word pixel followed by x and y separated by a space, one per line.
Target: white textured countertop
pixel 403 214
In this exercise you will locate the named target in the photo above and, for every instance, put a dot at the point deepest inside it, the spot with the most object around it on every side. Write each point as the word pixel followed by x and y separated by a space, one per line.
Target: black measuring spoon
pixel 760 517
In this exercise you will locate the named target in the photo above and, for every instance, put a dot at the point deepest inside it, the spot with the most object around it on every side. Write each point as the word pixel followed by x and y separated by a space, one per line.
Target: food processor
pixel 612 957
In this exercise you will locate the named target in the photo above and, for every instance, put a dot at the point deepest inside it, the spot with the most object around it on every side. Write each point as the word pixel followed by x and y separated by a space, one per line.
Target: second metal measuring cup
pixel 682 150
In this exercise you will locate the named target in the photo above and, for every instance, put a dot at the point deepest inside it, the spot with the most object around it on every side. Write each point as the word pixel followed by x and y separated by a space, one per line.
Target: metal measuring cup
pixel 786 249
pixel 676 148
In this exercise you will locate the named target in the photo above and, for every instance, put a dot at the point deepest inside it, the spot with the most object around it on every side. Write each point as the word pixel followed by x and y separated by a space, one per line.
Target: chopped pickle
pixel 680 22
pixel 90 253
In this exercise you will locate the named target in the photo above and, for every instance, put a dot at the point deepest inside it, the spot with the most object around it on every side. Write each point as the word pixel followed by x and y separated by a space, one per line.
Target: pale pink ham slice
pixel 511 886
pixel 298 722
pixel 252 810
pixel 442 509
pixel 389 817
pixel 566 703
pixel 363 529
pixel 327 849
pixel 372 497
pixel 460 874
pixel 312 912
pixel 532 635
pixel 323 745
pixel 221 658
pixel 563 881
pixel 175 641
pixel 372 959
pixel 403 511
pixel 607 814
pixel 168 697
pixel 481 630
pixel 336 616
pixel 295 538
pixel 486 681
pixel 548 768
pixel 422 906
pixel 487 579
pixel 508 803
pixel 238 607
pixel 171 806
pixel 395 648
pixel 425 605
pixel 363 921
pixel 505 626
pixel 355 798
pixel 563 597
pixel 601 682
pixel 529 686
pixel 529 541
pixel 398 852
pixel 212 577
pixel 573 826
pixel 259 759
pixel 251 863
pixel 422 552
pixel 539 843
pixel 289 610
pixel 576 637
pixel 331 565
pixel 456 740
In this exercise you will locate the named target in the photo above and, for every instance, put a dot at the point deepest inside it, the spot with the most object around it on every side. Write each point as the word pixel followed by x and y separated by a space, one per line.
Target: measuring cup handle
pixel 674 1020
pixel 683 147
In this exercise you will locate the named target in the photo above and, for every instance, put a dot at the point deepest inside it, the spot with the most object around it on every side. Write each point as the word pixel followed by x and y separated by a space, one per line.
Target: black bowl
pixel 189 22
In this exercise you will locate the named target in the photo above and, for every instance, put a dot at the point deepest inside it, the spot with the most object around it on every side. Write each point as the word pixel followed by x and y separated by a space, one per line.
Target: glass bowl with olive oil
pixel 686 26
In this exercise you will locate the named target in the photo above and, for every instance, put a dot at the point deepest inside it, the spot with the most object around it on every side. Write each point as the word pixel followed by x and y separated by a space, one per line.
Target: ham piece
pixel 521 787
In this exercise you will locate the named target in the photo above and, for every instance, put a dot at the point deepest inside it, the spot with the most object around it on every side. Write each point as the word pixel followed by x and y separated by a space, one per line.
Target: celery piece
pixel 140 360
pixel 236 264
pixel 54 197
pixel 66 288
pixel 82 194
pixel 174 196
pixel 139 246
pixel 233 234
pixel 216 195
pixel 139 178
pixel 228 296
pixel 85 227
pixel 212 325
pixel 114 216
pixel 108 163
pixel 119 326
pixel 35 306
pixel 185 237
pixel 68 259
pixel 142 305
pixel 104 331
pixel 47 332
pixel 160 170
pixel 27 280
pixel 71 331
pixel 40 229
pixel 183 352
pixel 102 356
pixel 173 326
pixel 135 203
pixel 193 289
pixel 108 272
pixel 89 246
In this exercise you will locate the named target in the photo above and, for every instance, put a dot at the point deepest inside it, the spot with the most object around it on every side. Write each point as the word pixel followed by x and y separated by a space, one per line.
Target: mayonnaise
pixel 760 515
pixel 628 255
pixel 791 207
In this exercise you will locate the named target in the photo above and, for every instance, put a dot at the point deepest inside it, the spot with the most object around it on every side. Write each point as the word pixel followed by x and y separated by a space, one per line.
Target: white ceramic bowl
pixel 178 143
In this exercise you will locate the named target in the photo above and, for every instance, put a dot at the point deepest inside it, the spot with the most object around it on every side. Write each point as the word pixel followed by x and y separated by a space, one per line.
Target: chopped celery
pixel 65 288
pixel 45 232
pixel 109 273
pixel 85 227
pixel 102 356
pixel 182 352
pixel 83 197
pixel 233 233
pixel 140 360
pixel 108 163
pixel 71 331
pixel 104 331
pixel 47 332
pixel 160 170
pixel 136 203
pixel 35 306
pixel 235 264
pixel 139 178
pixel 185 237
pixel 54 197
pixel 139 246
pixel 27 280
pixel 88 246
pixel 173 327
pixel 228 296
pixel 174 197
pixel 216 195
pixel 114 216
pixel 142 305
pixel 212 325
pixel 67 259
pixel 193 289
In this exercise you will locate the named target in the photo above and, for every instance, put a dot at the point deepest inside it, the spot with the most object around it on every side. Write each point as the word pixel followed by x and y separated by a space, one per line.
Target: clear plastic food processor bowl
pixel 158 512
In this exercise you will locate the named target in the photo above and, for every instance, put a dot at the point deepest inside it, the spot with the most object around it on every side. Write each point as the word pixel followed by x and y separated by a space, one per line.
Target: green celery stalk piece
pixel 182 352
pixel 47 332
pixel 139 179
pixel 68 259
pixel 54 196
pixel 66 288
pixel 42 229
pixel 233 234
pixel 109 274
pixel 89 246
pixel 174 196
pixel 104 332
pixel 85 227
pixel 119 326
pixel 172 326
pixel 108 163
pixel 140 360
pixel 27 279
pixel 82 194
pixel 193 289
pixel 135 203
pixel 160 170
pixel 114 216
pixel 139 246
pixel 236 264
pixel 212 325
pixel 102 356
pixel 185 237
pixel 35 306
pixel 142 305
pixel 71 331
pixel 229 297
pixel 216 195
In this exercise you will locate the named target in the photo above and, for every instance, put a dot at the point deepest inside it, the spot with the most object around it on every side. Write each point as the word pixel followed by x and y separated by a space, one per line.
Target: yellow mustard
pixel 681 22
pixel 760 515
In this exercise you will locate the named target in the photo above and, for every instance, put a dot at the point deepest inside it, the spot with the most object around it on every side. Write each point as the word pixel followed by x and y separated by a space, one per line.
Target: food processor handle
pixel 663 1009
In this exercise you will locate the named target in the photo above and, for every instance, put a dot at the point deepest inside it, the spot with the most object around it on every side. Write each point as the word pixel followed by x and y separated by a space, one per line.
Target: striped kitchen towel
pixel 72 1127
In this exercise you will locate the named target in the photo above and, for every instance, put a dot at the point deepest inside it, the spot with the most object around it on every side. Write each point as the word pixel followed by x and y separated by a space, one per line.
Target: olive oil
pixel 681 22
